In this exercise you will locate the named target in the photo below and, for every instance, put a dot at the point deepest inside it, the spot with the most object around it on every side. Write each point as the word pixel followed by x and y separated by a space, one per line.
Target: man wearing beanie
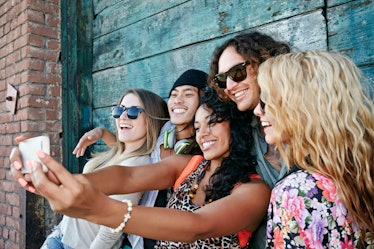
pixel 176 136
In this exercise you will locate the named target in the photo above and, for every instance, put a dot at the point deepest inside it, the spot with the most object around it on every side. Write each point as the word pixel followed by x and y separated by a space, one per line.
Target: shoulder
pixel 256 186
pixel 306 187
pixel 136 160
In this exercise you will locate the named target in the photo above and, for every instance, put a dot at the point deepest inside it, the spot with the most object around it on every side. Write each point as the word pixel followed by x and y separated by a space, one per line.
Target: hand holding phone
pixel 28 150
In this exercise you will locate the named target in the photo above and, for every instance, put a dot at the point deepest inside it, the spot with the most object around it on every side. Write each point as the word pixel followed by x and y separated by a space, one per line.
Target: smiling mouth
pixel 240 93
pixel 265 124
pixel 124 126
pixel 179 110
pixel 207 144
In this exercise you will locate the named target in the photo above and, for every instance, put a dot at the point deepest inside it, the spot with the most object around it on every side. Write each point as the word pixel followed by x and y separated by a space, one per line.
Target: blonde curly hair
pixel 317 100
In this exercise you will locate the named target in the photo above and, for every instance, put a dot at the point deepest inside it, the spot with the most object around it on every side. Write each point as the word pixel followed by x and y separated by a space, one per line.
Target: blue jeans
pixel 53 241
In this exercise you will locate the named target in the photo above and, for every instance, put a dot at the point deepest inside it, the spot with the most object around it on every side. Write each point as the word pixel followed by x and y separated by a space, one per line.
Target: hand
pixel 73 195
pixel 16 165
pixel 86 140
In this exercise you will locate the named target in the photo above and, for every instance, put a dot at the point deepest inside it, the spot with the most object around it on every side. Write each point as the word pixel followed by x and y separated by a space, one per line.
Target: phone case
pixel 28 150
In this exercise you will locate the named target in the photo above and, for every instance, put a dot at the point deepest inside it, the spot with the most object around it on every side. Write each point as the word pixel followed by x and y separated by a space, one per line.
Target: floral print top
pixel 306 212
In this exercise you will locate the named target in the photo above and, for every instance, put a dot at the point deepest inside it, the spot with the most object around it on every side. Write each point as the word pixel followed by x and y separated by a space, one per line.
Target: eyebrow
pixel 186 90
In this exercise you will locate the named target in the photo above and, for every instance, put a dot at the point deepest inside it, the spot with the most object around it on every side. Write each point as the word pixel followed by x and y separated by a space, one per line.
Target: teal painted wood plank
pixel 158 73
pixel 368 84
pixel 129 12
pixel 332 3
pixel 100 5
pixel 196 22
pixel 351 30
pixel 102 117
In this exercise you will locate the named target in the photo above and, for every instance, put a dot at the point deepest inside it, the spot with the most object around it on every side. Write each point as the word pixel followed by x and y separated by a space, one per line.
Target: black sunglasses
pixel 237 73
pixel 132 111
pixel 262 106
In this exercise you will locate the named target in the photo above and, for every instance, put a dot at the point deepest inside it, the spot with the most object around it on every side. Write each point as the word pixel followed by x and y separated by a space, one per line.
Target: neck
pixel 184 132
pixel 273 157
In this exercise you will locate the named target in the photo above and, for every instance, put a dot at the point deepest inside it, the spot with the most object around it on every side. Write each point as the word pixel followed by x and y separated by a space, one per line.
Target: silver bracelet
pixel 126 218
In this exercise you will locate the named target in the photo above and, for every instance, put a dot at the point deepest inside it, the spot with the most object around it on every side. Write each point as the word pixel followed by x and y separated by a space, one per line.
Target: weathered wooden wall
pixel 149 44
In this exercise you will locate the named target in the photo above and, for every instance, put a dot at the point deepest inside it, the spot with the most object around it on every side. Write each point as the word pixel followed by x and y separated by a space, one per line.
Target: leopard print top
pixel 181 201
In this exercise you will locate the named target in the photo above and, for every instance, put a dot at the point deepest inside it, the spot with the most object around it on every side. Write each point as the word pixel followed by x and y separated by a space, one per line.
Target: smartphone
pixel 28 150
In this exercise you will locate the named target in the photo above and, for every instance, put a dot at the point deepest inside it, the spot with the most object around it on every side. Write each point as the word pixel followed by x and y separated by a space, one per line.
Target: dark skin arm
pixel 76 197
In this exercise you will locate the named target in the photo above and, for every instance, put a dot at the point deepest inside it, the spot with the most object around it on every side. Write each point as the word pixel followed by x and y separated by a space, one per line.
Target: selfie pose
pixel 207 208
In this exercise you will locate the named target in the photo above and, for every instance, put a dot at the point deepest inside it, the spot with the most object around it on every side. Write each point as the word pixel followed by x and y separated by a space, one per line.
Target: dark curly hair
pixel 254 47
pixel 240 164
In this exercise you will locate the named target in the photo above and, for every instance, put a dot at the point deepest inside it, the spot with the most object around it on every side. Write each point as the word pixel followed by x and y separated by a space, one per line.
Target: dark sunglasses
pixel 132 111
pixel 237 73
pixel 262 106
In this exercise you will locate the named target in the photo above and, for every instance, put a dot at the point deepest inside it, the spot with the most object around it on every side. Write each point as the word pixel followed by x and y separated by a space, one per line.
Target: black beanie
pixel 191 77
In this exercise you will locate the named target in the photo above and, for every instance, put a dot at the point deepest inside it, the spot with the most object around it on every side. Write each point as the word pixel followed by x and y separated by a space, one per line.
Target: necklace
pixel 195 186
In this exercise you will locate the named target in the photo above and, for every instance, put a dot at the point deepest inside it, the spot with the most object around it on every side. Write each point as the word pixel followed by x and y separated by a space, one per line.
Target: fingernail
pixel 17 165
pixel 22 182
pixel 31 189
pixel 40 154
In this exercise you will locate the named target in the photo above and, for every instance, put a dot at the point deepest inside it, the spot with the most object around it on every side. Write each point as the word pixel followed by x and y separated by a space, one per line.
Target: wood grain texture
pixel 148 44
pixel 187 24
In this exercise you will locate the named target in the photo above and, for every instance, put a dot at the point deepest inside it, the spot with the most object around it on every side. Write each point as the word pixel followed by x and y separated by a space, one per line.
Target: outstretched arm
pixel 76 197
pixel 93 136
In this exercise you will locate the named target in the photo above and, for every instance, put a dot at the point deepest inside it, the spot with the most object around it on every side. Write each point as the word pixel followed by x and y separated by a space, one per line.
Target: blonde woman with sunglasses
pixel 139 118
pixel 314 110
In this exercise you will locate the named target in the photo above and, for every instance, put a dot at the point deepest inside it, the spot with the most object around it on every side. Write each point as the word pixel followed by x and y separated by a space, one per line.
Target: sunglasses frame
pixel 241 66
pixel 116 114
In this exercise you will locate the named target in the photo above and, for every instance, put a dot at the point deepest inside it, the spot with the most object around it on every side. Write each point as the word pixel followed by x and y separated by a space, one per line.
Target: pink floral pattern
pixel 306 212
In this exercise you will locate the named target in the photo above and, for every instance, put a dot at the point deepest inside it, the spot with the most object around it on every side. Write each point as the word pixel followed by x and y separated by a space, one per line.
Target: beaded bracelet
pixel 126 218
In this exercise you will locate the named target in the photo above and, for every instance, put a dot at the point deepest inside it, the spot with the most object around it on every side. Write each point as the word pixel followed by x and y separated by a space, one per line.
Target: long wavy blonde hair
pixel 317 100
pixel 156 114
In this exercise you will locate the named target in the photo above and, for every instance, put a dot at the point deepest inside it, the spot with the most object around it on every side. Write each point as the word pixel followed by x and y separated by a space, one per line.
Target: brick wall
pixel 29 61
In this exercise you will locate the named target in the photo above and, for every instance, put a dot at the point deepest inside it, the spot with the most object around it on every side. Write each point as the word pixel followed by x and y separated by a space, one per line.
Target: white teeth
pixel 179 110
pixel 124 125
pixel 264 124
pixel 207 144
pixel 239 94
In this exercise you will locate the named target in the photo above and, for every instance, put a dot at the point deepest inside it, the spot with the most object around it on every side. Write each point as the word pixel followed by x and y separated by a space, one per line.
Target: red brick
pixel 5 209
pixel 36 40
pixel 16 212
pixel 2 221
pixel 35 28
pixel 5 231
pixel 13 34
pixel 15 56
pixel 35 16
pixel 48 55
pixel 4 118
pixel 20 42
pixel 32 126
pixel 53 44
pixel 55 91
pixel 10 128
pixel 12 199
pixel 53 115
pixel 11 223
pixel 53 21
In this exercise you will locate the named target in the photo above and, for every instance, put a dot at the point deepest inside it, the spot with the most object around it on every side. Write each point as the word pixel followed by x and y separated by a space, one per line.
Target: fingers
pixel 86 140
pixel 15 171
pixel 58 172
pixel 22 138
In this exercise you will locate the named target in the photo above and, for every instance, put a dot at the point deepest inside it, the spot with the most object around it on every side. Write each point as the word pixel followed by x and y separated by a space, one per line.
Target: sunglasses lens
pixel 237 73
pixel 220 80
pixel 117 111
pixel 133 112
